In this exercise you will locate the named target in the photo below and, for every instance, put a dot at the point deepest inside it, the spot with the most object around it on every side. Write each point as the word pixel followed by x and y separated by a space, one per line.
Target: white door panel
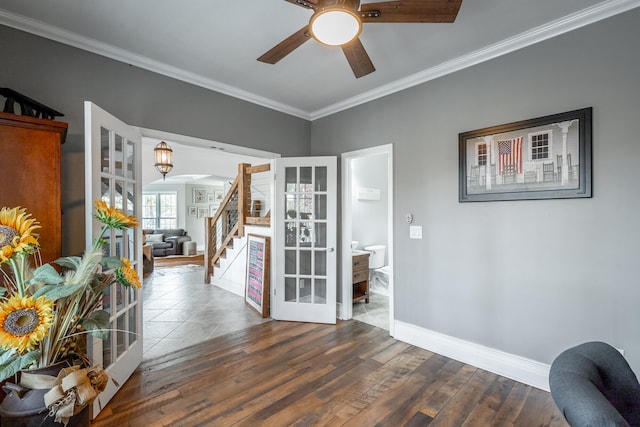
pixel 113 170
pixel 305 240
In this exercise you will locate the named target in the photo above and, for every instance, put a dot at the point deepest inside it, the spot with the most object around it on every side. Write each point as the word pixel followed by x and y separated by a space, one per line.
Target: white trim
pixel 509 365
pixel 193 141
pixel 551 29
pixel 560 26
pixel 346 310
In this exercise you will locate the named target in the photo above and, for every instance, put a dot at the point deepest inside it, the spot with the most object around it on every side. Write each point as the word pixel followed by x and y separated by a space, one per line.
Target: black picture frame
pixel 528 160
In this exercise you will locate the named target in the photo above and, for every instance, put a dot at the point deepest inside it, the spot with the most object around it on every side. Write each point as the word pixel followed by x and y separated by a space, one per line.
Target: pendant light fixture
pixel 164 158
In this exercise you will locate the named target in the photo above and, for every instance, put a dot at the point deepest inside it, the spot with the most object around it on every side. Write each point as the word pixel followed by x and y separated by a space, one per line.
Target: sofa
pixel 593 385
pixel 166 241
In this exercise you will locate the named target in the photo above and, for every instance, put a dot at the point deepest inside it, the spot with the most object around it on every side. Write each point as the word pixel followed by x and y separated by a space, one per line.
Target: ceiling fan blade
pixel 358 58
pixel 411 11
pixel 286 46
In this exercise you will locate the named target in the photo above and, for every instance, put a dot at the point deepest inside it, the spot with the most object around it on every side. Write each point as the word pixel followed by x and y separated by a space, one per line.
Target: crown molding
pixel 41 29
pixel 552 29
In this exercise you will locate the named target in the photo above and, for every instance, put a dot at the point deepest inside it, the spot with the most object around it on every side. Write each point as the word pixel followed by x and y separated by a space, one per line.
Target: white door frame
pixel 346 307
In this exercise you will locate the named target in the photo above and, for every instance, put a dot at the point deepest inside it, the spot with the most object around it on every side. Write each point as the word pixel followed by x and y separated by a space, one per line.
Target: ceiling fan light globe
pixel 335 27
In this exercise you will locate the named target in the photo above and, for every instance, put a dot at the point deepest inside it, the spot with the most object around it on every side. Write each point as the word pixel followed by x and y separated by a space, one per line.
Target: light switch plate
pixel 415 232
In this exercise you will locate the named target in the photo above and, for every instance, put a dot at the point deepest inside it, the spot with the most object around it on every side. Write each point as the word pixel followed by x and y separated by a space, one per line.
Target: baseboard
pixel 230 286
pixel 517 368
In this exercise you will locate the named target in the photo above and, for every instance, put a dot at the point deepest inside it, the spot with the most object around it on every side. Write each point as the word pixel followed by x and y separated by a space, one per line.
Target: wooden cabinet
pixel 360 269
pixel 30 150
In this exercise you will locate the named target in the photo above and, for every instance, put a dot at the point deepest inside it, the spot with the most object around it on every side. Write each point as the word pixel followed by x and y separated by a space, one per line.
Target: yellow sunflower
pixel 16 233
pixel 24 322
pixel 128 276
pixel 114 217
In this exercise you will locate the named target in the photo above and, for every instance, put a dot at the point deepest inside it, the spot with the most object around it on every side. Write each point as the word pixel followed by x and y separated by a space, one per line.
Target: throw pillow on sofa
pixel 155 238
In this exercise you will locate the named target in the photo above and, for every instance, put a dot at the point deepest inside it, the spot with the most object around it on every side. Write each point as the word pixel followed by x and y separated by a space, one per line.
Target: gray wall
pixel 63 77
pixel 369 225
pixel 529 277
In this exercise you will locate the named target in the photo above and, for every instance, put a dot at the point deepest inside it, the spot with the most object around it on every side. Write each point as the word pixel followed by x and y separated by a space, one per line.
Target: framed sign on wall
pixel 544 158
pixel 257 278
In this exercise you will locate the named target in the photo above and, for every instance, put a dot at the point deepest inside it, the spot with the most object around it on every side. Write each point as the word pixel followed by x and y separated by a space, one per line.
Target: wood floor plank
pixel 302 374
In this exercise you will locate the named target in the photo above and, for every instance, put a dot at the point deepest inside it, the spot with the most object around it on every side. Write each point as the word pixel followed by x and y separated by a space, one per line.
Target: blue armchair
pixel 593 385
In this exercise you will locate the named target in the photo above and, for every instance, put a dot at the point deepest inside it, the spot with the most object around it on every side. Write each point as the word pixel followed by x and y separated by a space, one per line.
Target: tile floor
pixel 375 313
pixel 181 310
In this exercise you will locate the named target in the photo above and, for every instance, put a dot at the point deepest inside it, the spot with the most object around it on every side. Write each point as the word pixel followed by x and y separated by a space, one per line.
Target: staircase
pixel 242 206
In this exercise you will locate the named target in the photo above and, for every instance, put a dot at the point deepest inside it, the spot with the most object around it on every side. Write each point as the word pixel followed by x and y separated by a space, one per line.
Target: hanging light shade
pixel 335 26
pixel 164 158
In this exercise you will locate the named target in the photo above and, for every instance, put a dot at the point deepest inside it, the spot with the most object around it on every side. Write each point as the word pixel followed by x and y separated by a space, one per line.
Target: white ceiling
pixel 215 43
pixel 196 163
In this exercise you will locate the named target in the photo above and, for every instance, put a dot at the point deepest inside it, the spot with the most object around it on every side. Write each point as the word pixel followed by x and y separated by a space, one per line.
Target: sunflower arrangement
pixel 44 314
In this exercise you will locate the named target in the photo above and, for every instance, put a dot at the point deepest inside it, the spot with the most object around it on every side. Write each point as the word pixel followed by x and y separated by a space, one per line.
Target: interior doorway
pixel 179 308
pixel 367 228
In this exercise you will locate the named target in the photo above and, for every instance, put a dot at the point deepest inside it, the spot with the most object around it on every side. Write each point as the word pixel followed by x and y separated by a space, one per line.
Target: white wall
pixel 195 224
pixel 369 225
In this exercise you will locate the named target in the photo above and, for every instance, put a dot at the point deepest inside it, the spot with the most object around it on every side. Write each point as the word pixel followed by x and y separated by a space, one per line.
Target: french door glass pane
pixel 305 291
pixel 320 289
pixel 321 235
pixel 290 294
pixel 121 335
pixel 106 349
pixel 321 178
pixel 119 155
pixel 290 180
pixel 305 263
pixel 133 335
pixel 290 262
pixel 118 200
pixel 131 160
pixel 104 149
pixel 321 206
pixel 305 202
pixel 291 234
pixel 320 263
pixel 119 297
pixel 306 180
pixel 105 188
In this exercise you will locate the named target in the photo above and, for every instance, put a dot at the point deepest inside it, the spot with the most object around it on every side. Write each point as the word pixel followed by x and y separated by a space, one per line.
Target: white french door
pixel 305 240
pixel 113 174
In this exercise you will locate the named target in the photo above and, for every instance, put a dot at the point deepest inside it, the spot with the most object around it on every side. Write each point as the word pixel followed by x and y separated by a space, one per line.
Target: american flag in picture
pixel 510 153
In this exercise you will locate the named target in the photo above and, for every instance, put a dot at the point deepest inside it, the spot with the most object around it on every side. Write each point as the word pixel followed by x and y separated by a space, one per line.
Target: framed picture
pixel 544 158
pixel 218 195
pixel 257 278
pixel 203 212
pixel 213 209
pixel 193 211
pixel 211 198
pixel 199 195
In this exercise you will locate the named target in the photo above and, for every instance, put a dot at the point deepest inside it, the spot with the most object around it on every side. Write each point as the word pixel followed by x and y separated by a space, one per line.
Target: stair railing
pixel 233 214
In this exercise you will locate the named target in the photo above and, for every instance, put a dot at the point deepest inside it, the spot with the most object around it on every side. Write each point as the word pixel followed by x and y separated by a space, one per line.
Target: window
pixel 159 210
pixel 540 145
pixel 482 154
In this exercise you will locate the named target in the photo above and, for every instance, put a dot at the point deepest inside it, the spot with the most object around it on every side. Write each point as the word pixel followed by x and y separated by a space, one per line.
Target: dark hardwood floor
pixel 349 374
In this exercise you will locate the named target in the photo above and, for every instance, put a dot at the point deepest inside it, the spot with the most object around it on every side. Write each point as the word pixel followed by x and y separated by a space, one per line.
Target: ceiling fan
pixel 339 23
